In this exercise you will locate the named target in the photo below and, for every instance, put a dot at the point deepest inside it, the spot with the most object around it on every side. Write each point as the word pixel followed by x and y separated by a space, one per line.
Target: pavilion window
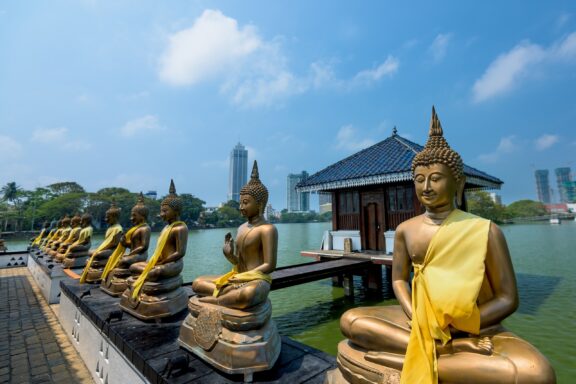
pixel 400 199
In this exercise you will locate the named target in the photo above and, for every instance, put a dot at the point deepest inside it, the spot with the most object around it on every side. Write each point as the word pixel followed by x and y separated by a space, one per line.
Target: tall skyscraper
pixel 542 185
pixel 297 201
pixel 562 181
pixel 238 171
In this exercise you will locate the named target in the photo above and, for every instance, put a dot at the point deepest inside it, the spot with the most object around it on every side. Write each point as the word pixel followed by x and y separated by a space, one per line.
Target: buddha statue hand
pixel 228 249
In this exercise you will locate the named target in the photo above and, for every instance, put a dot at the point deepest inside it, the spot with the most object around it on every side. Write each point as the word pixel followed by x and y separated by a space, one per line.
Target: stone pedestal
pixel 76 260
pixel 232 340
pixel 156 300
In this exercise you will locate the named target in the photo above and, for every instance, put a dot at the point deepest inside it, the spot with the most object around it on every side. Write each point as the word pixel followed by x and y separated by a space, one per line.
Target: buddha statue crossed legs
pixel 60 251
pixel 137 240
pixel 229 324
pixel 447 327
pixel 155 287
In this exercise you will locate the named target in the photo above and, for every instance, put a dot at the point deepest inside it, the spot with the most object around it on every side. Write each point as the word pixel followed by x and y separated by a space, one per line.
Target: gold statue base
pixel 78 260
pixel 353 368
pixel 156 300
pixel 116 282
pixel 232 340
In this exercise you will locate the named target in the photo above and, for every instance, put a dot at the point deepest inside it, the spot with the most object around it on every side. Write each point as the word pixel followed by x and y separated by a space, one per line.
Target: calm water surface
pixel 544 259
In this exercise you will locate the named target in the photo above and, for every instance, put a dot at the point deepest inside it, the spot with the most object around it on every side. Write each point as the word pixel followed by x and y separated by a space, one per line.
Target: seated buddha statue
pixel 447 327
pixel 137 240
pixel 99 257
pixel 238 301
pixel 59 237
pixel 77 253
pixel 155 287
pixel 75 223
pixel 55 231
pixel 37 240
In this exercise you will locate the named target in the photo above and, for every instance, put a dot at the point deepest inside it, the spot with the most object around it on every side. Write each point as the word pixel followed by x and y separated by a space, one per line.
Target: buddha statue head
pixel 86 220
pixel 256 189
pixel 139 213
pixel 65 221
pixel 436 153
pixel 171 206
pixel 112 214
pixel 76 219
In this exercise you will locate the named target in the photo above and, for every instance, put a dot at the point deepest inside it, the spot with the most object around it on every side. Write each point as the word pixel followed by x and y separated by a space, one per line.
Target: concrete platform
pixel 33 345
pixel 48 277
pixel 142 351
pixel 13 259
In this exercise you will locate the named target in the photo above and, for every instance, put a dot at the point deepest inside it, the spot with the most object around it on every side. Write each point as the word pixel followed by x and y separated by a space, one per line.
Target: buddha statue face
pixel 136 216
pixel 111 217
pixel 168 214
pixel 435 185
pixel 249 207
pixel 86 220
pixel 75 222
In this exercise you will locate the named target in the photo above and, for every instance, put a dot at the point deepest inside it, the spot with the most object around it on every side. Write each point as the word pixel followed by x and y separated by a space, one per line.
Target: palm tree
pixel 11 192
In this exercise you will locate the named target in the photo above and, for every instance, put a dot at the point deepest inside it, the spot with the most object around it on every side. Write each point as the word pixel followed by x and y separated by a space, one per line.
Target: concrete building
pixel 151 195
pixel 297 201
pixel 543 186
pixel 238 171
pixel 563 179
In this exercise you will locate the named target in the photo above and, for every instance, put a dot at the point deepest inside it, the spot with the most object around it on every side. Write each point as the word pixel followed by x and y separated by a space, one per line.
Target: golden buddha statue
pixel 58 253
pixel 77 253
pixel 37 240
pixel 137 239
pixel 47 241
pixel 229 324
pixel 447 326
pixel 59 237
pixel 155 287
pixel 99 256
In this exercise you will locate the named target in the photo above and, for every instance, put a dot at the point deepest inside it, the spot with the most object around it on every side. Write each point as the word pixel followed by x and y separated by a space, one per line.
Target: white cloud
pixel 388 68
pixel 59 136
pixel 439 46
pixel 214 44
pixel 347 139
pixel 142 125
pixel 251 70
pixel 10 147
pixel 546 141
pixel 506 72
pixel 506 145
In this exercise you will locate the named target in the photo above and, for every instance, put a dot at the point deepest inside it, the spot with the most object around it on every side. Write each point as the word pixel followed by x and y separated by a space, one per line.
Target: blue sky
pixel 133 93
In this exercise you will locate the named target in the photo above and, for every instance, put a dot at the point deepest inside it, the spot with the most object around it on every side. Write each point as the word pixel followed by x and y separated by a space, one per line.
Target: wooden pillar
pixel 374 278
pixel 348 284
pixel 389 278
pixel 337 280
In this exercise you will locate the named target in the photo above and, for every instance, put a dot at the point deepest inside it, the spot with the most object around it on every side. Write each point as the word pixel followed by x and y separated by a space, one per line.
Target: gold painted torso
pixel 249 246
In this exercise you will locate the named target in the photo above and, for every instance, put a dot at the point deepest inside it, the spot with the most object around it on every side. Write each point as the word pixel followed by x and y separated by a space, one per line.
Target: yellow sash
pixel 242 277
pixel 119 251
pixel 108 239
pixel 445 288
pixel 85 233
pixel 71 236
pixel 162 239
pixel 39 237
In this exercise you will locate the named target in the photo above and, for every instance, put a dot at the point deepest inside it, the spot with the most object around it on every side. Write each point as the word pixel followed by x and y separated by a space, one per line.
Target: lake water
pixel 544 259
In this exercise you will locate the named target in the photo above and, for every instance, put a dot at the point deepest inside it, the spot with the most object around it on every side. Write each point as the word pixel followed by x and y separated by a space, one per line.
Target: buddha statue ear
pixel 460 191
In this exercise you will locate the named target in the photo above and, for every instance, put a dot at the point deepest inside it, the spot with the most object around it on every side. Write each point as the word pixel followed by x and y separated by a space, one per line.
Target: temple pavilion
pixel 373 192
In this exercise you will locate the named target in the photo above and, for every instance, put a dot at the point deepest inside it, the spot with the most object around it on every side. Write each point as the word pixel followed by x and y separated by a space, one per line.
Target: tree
pixel 65 187
pixel 66 204
pixel 191 208
pixel 526 208
pixel 480 203
pixel 11 191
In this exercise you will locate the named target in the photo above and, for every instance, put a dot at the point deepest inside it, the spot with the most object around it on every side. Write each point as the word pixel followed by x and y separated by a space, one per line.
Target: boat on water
pixel 555 220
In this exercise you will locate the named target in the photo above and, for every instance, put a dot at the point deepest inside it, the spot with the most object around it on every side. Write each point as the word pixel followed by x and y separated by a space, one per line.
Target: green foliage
pixel 526 208
pixel 65 204
pixel 11 192
pixel 303 217
pixel 480 203
pixel 191 208
pixel 65 187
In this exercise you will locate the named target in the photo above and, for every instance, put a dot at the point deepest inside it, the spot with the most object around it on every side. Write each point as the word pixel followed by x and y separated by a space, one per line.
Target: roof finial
pixel 394 131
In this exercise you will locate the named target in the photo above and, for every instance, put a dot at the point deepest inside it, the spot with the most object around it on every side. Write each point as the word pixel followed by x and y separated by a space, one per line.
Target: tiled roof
pixel 385 162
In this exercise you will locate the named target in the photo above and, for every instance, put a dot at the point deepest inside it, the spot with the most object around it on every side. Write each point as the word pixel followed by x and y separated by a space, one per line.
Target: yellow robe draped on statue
pixel 445 288
pixel 108 239
pixel 162 239
pixel 242 277
pixel 119 251
pixel 39 237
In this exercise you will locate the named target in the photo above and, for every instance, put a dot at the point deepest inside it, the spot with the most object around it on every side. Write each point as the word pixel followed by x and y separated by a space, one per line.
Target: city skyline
pixel 238 173
pixel 133 94
pixel 563 183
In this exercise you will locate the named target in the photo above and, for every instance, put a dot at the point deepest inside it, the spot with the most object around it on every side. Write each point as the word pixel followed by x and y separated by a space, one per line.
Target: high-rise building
pixel 238 171
pixel 297 201
pixel 542 185
pixel 562 180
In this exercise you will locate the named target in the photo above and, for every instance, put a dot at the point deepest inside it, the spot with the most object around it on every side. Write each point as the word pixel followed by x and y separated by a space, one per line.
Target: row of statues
pixel 452 275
